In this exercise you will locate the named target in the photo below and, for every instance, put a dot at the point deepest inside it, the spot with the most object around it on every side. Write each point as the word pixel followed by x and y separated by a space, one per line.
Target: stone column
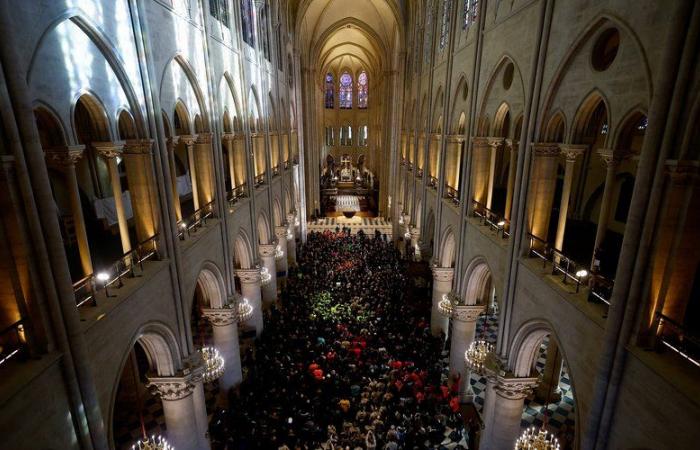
pixel 189 140
pixel 137 159
pixel 612 159
pixel 239 160
pixel 64 159
pixel 542 186
pixel 204 159
pixel 182 411
pixel 548 388
pixel 442 285
pixel 224 322
pixel 502 421
pixel 463 331
pixel 453 161
pixel 512 168
pixel 291 241
pixel 269 286
pixel 110 151
pixel 415 240
pixel 250 289
pixel 228 139
pixel 494 144
pixel 172 145
pixel 480 169
pixel 571 152
pixel 281 262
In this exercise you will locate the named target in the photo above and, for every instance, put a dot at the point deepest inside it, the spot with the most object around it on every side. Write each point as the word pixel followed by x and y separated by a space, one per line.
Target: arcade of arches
pixel 366 224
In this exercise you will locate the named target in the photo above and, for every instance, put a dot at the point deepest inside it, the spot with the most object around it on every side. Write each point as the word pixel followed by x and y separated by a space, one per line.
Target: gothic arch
pixel 210 281
pixel 243 251
pixel 98 115
pixel 51 130
pixel 277 218
pixel 555 131
pixel 179 62
pixel 254 111
pixel 514 94
pixel 477 282
pixel 263 228
pixel 448 248
pixel 585 111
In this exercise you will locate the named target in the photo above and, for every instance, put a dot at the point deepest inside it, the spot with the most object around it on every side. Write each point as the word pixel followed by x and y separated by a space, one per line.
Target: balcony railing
pixel 237 193
pixel 410 166
pixel 195 221
pixel 285 164
pixel 496 222
pixel 13 342
pixel 452 194
pixel 260 179
pixel 432 182
pixel 130 265
pixel 600 288
pixel 275 171
pixel 676 338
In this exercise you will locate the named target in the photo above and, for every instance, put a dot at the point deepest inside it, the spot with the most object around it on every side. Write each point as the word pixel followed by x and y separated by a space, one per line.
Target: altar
pixel 367 224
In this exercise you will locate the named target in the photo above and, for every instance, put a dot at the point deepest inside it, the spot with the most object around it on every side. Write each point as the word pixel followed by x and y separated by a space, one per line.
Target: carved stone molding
pixel 188 139
pixel 204 138
pixel 171 388
pixel 281 232
pixel 545 149
pixel 512 145
pixel 572 151
pixel 138 147
pixel 108 149
pixel 267 250
pixel 515 388
pixel 220 317
pixel 228 137
pixel 443 273
pixel 248 276
pixel 172 142
pixel 467 313
pixel 60 157
pixel 480 143
pixel 612 157
pixel 495 142
pixel 683 174
pixel 455 138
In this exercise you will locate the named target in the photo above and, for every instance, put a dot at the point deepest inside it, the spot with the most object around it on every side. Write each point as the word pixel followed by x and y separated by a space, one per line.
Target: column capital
pixel 495 142
pixel 65 156
pixel 108 150
pixel 572 151
pixel 515 388
pixel 281 232
pixel 467 313
pixel 612 157
pixel 138 147
pixel 267 250
pixel 455 138
pixel 228 137
pixel 512 144
pixel 249 276
pixel 220 317
pixel 172 142
pixel 171 388
pixel 188 139
pixel 480 143
pixel 204 138
pixel 545 149
pixel 683 173
pixel 443 273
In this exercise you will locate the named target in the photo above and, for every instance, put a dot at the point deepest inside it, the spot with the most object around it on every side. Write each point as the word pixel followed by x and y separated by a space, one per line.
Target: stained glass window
pixel 428 36
pixel 470 9
pixel 247 20
pixel 345 91
pixel 362 90
pixel 219 10
pixel 445 27
pixel 264 37
pixel 330 88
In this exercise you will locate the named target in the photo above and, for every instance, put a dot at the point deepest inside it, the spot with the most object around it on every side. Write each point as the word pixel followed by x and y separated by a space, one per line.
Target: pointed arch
pixel 477 282
pixel 448 249
pixel 51 131
pixel 263 228
pixel 556 128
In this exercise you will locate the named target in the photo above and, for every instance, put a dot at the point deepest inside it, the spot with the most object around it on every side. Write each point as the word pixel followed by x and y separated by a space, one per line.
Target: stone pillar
pixel 188 140
pixel 512 168
pixel 64 159
pixel 612 159
pixel 172 145
pixel 269 286
pixel 463 331
pixel 291 241
pixel 480 169
pixel 182 410
pixel 228 139
pixel 199 402
pixel 542 186
pixel 505 409
pixel 139 172
pixel 415 240
pixel 548 388
pixel 281 262
pixel 442 285
pixel 204 159
pixel 258 154
pixel 571 152
pixel 453 161
pixel 494 145
pixel 110 151
pixel 224 322
pixel 239 160
pixel 250 290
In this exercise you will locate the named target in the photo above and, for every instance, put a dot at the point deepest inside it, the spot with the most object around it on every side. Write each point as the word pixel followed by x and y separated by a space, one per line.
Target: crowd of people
pixel 344 362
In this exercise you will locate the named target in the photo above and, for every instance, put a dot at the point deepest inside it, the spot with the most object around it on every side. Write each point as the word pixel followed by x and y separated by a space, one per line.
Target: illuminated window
pixel 428 36
pixel 247 20
pixel 345 91
pixel 362 90
pixel 219 10
pixel 346 135
pixel 445 27
pixel 362 137
pixel 330 136
pixel 264 36
pixel 470 10
pixel 330 90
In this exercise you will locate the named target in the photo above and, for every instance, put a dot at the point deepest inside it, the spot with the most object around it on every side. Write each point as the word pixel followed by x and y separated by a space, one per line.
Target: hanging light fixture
pixel 265 276
pixel 531 439
pixel 447 304
pixel 213 364
pixel 476 354
pixel 244 309
pixel 152 443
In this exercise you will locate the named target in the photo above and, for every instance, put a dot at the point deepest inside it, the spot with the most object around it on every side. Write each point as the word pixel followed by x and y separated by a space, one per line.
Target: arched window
pixel 470 9
pixel 362 90
pixel 345 91
pixel 330 88
pixel 445 27
pixel 362 137
pixel 428 35
pixel 247 20
pixel 219 10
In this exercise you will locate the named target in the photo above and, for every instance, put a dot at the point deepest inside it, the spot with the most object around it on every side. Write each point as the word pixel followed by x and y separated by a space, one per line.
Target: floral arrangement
pixel 324 308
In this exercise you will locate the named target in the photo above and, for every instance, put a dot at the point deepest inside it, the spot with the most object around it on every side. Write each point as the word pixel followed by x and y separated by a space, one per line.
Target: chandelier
pixel 476 354
pixel 152 443
pixel 245 310
pixel 265 276
pixel 213 364
pixel 279 254
pixel 447 304
pixel 532 439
